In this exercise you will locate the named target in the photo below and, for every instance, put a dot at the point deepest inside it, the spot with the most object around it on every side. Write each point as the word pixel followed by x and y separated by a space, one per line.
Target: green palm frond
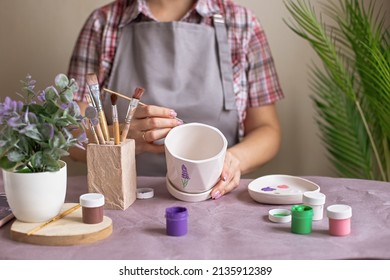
pixel 351 91
pixel 340 126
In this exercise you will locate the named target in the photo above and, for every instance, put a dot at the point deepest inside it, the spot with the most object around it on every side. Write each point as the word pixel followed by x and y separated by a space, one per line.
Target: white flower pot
pixel 36 197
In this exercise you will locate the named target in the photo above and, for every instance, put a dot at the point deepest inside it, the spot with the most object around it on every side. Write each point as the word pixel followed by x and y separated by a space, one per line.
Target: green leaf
pixel 15 156
pixel 6 164
pixel 67 95
pixel 51 94
pixel 33 133
pixel 351 89
pixel 61 81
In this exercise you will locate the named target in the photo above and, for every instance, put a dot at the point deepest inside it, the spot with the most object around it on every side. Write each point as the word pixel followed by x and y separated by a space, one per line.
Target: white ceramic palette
pixel 280 189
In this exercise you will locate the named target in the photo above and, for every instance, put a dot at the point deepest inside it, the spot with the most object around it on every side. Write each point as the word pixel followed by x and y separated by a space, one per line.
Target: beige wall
pixel 37 37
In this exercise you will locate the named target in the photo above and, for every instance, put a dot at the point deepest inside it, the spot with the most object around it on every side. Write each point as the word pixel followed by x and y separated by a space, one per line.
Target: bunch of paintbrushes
pixel 91 114
pixel 97 118
pixel 95 100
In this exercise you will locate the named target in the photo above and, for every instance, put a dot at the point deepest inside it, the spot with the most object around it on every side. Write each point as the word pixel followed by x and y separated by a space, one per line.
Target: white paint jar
pixel 315 200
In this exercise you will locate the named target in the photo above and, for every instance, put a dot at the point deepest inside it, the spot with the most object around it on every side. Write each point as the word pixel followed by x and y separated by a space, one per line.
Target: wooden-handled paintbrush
pixel 56 218
pixel 138 92
pixel 115 121
pixel 130 98
pixel 91 114
pixel 93 85
pixel 92 126
pixel 94 122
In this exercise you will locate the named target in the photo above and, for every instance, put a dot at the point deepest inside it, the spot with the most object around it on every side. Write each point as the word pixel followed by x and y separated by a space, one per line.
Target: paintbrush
pixel 93 130
pixel 91 114
pixel 93 85
pixel 56 218
pixel 138 92
pixel 129 98
pixel 120 95
pixel 94 122
pixel 115 121
pixel 123 96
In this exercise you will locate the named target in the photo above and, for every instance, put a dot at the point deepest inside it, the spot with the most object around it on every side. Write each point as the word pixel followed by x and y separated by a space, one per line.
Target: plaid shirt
pixel 254 76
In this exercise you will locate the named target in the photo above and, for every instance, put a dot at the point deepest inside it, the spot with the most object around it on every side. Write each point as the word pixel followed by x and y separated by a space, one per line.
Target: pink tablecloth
pixel 233 227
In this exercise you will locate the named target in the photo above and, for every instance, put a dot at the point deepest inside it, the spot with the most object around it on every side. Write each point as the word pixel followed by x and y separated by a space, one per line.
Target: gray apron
pixel 183 66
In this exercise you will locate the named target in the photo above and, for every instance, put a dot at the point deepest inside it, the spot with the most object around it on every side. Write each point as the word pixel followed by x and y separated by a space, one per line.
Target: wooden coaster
pixel 70 230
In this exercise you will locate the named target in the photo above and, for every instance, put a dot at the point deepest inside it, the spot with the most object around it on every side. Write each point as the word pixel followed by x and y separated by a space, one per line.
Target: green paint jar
pixel 302 216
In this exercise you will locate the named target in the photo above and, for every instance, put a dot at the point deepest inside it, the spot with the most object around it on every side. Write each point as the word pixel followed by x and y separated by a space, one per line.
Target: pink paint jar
pixel 92 207
pixel 339 219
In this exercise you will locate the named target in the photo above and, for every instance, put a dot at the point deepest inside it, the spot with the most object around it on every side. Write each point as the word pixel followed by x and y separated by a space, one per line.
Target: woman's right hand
pixel 149 125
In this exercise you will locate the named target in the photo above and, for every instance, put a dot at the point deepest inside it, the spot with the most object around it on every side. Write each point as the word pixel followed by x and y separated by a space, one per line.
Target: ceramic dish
pixel 189 197
pixel 280 189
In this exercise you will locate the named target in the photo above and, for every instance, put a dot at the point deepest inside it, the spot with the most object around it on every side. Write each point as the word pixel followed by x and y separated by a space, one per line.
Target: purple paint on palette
pixel 268 189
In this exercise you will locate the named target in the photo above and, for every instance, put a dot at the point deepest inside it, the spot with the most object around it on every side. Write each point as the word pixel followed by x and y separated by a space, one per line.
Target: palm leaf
pixel 340 126
pixel 351 92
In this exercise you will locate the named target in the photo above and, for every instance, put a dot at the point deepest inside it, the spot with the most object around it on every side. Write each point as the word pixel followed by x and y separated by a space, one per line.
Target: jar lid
pixel 279 215
pixel 339 211
pixel 145 193
pixel 91 200
pixel 313 198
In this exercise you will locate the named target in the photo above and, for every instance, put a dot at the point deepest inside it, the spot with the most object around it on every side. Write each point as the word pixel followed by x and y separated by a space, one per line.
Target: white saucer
pixel 189 197
pixel 280 189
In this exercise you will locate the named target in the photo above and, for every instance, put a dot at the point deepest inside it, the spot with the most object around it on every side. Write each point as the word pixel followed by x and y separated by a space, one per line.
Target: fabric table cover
pixel 233 227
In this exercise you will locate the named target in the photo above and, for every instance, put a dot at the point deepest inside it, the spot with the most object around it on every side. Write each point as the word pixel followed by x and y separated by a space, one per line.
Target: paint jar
pixel 302 217
pixel 176 220
pixel 92 207
pixel 315 200
pixel 339 219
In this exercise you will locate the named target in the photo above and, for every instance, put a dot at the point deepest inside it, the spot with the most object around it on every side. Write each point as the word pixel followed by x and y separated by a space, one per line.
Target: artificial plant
pixel 351 89
pixel 37 131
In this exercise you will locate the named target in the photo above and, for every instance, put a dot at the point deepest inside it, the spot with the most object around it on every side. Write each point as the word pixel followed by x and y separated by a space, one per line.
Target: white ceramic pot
pixel 195 155
pixel 36 197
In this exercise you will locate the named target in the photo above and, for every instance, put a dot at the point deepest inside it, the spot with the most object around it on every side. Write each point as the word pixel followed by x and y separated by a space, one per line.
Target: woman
pixel 202 61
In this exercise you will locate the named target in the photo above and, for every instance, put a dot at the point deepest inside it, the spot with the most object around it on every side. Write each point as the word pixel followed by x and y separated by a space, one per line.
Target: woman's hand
pixel 230 176
pixel 259 145
pixel 150 124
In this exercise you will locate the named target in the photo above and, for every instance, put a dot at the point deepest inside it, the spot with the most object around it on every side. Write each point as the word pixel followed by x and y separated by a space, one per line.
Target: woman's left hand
pixel 230 177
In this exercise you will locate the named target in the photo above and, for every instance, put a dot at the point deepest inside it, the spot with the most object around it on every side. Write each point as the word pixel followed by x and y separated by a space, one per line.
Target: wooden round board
pixel 70 230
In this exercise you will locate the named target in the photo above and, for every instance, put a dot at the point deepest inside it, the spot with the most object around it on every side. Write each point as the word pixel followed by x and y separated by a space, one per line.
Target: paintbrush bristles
pixel 138 92
pixel 91 79
pixel 114 99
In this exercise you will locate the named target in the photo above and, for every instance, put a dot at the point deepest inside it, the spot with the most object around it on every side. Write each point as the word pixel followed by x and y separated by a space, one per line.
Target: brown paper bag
pixel 111 172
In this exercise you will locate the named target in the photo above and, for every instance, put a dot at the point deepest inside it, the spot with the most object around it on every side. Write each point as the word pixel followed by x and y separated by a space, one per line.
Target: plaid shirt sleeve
pixel 263 83
pixel 86 53
pixel 255 79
